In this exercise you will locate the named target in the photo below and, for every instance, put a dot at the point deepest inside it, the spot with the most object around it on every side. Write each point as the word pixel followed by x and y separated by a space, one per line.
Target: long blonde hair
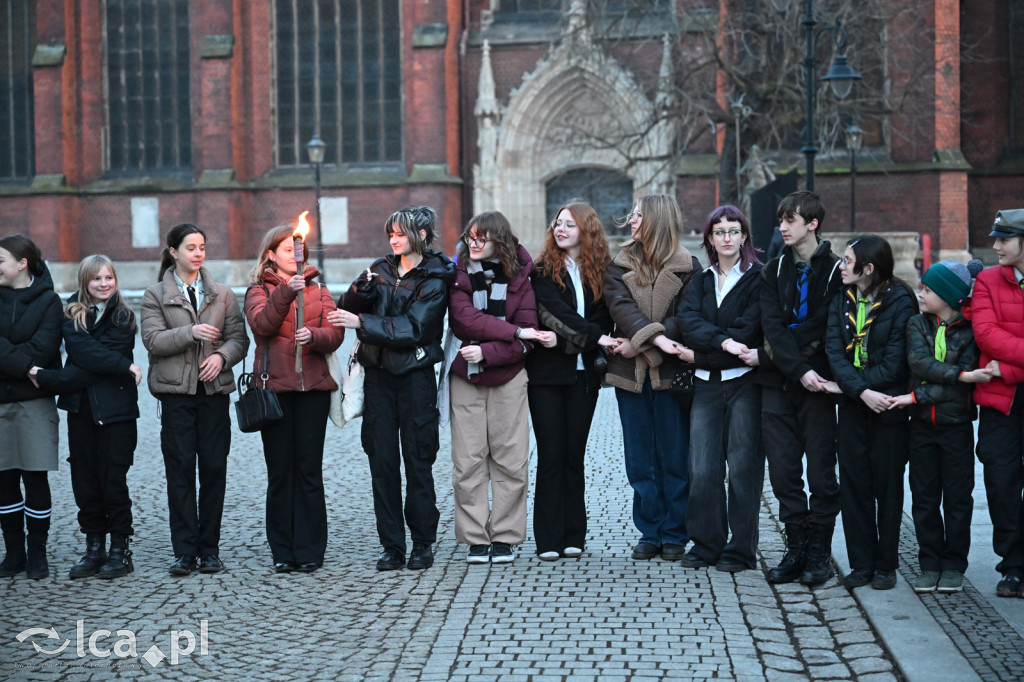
pixel 271 240
pixel 657 240
pixel 79 310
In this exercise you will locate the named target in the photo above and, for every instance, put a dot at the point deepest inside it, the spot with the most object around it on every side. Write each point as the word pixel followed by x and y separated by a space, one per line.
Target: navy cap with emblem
pixel 1009 223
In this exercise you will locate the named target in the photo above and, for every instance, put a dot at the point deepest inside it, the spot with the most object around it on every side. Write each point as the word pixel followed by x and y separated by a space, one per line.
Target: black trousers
pixel 561 423
pixel 795 423
pixel 1001 451
pixel 293 448
pixel 100 457
pixel 402 410
pixel 195 430
pixel 942 473
pixel 873 451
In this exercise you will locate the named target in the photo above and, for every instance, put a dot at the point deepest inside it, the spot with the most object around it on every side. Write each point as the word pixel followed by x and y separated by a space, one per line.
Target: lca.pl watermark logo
pixel 180 643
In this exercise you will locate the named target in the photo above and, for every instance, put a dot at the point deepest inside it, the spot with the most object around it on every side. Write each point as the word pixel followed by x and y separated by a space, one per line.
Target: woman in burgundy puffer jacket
pixel 293 446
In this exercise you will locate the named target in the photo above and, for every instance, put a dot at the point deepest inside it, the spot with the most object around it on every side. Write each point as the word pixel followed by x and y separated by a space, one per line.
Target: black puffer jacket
pixel 706 325
pixel 402 316
pixel 887 370
pixel 99 359
pixel 30 333
pixel 940 395
pixel 790 352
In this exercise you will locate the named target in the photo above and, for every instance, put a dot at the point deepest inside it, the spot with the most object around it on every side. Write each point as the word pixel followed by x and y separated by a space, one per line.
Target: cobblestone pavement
pixel 602 616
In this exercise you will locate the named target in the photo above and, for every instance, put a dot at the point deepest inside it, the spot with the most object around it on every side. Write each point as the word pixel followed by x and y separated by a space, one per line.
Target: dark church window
pixel 609 192
pixel 17 39
pixel 149 118
pixel 338 68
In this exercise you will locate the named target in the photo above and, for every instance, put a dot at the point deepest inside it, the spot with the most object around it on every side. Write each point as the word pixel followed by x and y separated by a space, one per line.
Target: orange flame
pixel 302 227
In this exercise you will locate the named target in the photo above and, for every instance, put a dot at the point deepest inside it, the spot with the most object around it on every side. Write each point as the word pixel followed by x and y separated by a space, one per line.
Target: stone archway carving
pixel 578 108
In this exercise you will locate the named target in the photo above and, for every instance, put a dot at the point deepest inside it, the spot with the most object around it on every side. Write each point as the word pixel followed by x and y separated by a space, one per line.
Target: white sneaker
pixel 573 551
pixel 502 553
pixel 548 556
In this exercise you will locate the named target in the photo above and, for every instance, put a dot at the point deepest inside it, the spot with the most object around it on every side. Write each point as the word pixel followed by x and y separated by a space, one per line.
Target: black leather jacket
pixel 402 317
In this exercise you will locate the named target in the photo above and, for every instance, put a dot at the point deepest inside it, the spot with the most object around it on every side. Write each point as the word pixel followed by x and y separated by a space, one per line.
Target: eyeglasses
pixel 847 262
pixel 474 242
pixel 720 234
pixel 635 215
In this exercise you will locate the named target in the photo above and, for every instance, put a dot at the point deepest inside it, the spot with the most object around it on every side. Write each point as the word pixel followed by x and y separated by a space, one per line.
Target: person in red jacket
pixel 493 316
pixel 293 446
pixel 998 307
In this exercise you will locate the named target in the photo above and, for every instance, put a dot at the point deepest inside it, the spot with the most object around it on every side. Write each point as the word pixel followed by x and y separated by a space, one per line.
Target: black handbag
pixel 257 406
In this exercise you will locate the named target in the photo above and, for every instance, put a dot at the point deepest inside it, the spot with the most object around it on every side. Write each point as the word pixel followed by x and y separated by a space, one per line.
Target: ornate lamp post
pixel 316 148
pixel 840 76
pixel 854 141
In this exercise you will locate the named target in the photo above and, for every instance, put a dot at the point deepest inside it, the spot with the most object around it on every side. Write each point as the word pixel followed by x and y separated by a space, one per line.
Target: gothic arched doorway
pixel 610 192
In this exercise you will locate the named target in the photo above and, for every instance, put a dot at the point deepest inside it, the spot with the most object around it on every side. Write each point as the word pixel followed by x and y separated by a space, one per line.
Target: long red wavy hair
pixel 594 256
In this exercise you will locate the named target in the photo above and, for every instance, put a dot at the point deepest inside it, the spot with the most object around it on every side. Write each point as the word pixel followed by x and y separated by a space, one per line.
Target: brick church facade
pixel 124 117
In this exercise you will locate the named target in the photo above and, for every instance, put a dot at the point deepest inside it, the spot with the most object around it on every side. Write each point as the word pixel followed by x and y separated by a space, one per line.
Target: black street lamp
pixel 315 148
pixel 840 76
pixel 854 141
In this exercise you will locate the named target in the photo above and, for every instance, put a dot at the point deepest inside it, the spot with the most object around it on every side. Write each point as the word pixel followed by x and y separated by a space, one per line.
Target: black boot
pixel 95 555
pixel 793 562
pixel 119 562
pixel 13 525
pixel 35 563
pixel 819 556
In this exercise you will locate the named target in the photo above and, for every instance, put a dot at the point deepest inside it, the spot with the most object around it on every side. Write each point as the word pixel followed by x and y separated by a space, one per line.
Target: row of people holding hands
pixel 712 368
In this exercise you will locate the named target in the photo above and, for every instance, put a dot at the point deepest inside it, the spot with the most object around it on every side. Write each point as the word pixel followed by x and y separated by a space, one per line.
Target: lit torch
pixel 299 241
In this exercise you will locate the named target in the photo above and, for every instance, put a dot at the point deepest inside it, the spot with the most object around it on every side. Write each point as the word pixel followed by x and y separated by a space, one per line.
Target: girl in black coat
pixel 98 388
pixel 721 320
pixel 568 283
pixel 397 308
pixel 30 319
pixel 867 350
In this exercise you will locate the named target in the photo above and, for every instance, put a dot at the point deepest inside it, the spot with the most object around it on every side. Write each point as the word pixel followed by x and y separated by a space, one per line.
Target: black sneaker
pixel 502 553
pixel 672 552
pixel 1009 586
pixel 183 565
pixel 479 554
pixel 390 559
pixel 422 557
pixel 859 577
pixel 645 551
pixel 883 580
pixel 694 560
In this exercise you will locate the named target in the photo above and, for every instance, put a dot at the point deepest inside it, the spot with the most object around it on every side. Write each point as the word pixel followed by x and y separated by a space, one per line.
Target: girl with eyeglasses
pixel 493 316
pixel 98 388
pixel 721 321
pixel 569 285
pixel 643 286
pixel 866 344
pixel 397 308
pixel 29 337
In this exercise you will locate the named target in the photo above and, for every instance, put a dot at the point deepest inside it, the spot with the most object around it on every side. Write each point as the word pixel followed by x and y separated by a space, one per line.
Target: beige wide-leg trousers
pixel 490 443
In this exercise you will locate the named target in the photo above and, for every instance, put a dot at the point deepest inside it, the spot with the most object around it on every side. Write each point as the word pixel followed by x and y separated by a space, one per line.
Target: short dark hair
pixel 805 204
pixel 409 221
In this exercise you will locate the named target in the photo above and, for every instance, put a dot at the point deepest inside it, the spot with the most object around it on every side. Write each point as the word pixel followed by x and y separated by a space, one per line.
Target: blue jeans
pixel 655 435
pixel 725 428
